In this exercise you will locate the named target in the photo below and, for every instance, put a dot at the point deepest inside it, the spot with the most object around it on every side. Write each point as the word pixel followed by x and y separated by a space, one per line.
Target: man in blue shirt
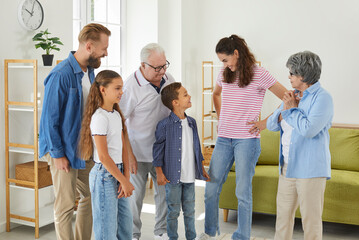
pixel 66 87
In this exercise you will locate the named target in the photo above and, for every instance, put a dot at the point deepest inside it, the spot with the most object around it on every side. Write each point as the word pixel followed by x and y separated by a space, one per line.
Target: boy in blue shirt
pixel 177 158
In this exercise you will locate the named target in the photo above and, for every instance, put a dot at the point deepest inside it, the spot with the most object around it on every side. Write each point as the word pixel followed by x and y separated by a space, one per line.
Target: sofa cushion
pixel 269 148
pixel 341 197
pixel 344 148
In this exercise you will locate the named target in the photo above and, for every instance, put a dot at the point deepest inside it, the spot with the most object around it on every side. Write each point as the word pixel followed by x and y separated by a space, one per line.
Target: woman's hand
pixel 290 100
pixel 258 126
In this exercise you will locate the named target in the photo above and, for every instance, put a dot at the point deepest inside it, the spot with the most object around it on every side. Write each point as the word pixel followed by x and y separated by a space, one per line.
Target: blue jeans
pixel 245 153
pixel 112 217
pixel 177 195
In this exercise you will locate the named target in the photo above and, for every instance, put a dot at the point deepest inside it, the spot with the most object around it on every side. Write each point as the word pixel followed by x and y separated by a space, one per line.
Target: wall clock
pixel 30 14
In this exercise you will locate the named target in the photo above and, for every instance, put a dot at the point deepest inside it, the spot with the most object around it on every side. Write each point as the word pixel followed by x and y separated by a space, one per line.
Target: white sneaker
pixel 162 236
pixel 205 236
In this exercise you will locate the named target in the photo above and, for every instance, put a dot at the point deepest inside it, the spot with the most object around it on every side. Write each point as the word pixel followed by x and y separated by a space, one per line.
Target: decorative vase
pixel 47 59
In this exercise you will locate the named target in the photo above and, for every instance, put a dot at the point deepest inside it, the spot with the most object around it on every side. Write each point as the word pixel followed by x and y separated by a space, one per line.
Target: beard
pixel 94 62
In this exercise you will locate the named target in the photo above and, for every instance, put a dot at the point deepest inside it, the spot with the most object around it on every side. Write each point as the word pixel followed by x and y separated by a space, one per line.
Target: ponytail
pixel 245 61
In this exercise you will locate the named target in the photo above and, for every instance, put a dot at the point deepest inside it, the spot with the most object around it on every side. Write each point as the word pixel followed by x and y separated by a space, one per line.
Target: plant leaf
pixel 37 36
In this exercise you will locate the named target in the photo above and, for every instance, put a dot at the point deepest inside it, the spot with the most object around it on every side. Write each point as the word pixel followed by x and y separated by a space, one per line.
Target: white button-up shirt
pixel 143 109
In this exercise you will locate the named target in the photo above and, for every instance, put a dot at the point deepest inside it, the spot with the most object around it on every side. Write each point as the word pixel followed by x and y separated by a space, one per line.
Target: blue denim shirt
pixel 167 148
pixel 309 154
pixel 61 111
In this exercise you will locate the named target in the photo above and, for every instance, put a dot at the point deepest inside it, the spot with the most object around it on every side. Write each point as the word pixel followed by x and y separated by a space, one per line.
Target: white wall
pixel 274 30
pixel 141 29
pixel 170 34
pixel 16 43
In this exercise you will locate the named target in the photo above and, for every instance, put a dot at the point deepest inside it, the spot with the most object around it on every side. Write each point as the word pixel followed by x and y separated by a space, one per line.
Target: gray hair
pixel 150 48
pixel 307 65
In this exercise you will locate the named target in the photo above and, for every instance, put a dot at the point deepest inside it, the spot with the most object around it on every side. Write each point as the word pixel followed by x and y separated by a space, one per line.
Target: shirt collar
pixel 142 81
pixel 311 89
pixel 76 66
pixel 175 118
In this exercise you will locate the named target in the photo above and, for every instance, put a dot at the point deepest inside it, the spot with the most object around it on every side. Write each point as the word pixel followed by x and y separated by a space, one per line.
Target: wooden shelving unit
pixel 29 218
pixel 208 114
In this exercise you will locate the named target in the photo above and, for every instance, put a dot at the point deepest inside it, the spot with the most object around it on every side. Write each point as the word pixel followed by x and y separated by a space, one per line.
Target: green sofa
pixel 341 202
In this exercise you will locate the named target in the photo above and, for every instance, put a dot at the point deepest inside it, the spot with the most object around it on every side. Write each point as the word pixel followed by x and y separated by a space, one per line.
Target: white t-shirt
pixel 86 85
pixel 287 134
pixel 108 124
pixel 187 157
pixel 142 108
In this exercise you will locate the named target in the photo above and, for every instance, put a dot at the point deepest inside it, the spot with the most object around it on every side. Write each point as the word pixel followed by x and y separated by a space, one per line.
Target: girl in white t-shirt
pixel 102 136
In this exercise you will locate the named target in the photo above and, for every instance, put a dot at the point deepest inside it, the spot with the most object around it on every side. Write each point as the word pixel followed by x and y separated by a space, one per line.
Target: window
pixel 108 13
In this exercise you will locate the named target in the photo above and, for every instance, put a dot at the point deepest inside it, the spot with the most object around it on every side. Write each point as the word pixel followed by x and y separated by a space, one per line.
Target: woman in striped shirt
pixel 238 97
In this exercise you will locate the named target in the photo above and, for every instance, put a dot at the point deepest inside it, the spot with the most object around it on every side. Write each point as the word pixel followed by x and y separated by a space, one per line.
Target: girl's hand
pixel 125 189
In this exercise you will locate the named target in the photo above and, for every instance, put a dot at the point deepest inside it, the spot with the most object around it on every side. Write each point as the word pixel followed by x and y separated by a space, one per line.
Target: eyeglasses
pixel 158 69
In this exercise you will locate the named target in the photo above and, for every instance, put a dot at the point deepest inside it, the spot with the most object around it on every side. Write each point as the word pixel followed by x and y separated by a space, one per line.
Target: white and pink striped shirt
pixel 241 105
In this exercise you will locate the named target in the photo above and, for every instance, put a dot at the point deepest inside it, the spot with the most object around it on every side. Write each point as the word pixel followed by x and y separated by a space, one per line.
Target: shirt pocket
pixel 73 102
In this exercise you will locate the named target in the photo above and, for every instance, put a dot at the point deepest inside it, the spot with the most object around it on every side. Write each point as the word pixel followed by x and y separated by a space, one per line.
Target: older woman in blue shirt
pixel 303 120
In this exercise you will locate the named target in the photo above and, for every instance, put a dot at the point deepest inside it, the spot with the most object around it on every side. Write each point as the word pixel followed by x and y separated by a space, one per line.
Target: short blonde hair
pixel 92 32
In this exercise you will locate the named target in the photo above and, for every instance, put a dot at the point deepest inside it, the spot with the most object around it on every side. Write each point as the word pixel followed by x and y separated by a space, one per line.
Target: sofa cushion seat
pixel 265 183
pixel 346 185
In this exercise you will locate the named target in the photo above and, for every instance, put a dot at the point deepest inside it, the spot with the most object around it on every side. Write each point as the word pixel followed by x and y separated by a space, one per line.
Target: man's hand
pixel 62 164
pixel 132 164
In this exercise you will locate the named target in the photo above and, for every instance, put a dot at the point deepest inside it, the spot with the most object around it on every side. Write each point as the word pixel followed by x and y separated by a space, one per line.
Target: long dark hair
pixel 245 61
pixel 94 101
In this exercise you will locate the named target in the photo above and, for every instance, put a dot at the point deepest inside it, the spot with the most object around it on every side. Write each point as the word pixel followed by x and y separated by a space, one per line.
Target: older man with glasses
pixel 143 109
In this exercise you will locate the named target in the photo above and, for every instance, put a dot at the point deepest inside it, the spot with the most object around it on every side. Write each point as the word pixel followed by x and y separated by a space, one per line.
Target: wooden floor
pixel 262 226
pixel 228 237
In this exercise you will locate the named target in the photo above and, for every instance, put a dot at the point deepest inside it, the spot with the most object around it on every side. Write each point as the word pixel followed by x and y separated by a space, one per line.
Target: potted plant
pixel 47 43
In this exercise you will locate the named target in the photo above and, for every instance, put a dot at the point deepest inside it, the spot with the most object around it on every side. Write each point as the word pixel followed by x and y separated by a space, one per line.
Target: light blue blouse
pixel 309 154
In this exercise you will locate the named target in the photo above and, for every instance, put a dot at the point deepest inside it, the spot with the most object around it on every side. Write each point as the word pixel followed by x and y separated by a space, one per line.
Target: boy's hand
pixel 161 179
pixel 206 175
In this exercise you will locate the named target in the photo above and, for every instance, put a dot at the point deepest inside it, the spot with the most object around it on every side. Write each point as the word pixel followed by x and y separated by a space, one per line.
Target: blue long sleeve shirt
pixel 61 116
pixel 309 154
pixel 167 148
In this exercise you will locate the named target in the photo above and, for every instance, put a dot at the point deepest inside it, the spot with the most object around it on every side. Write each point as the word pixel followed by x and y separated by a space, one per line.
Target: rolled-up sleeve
pixel 310 123
pixel 272 121
pixel 159 146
